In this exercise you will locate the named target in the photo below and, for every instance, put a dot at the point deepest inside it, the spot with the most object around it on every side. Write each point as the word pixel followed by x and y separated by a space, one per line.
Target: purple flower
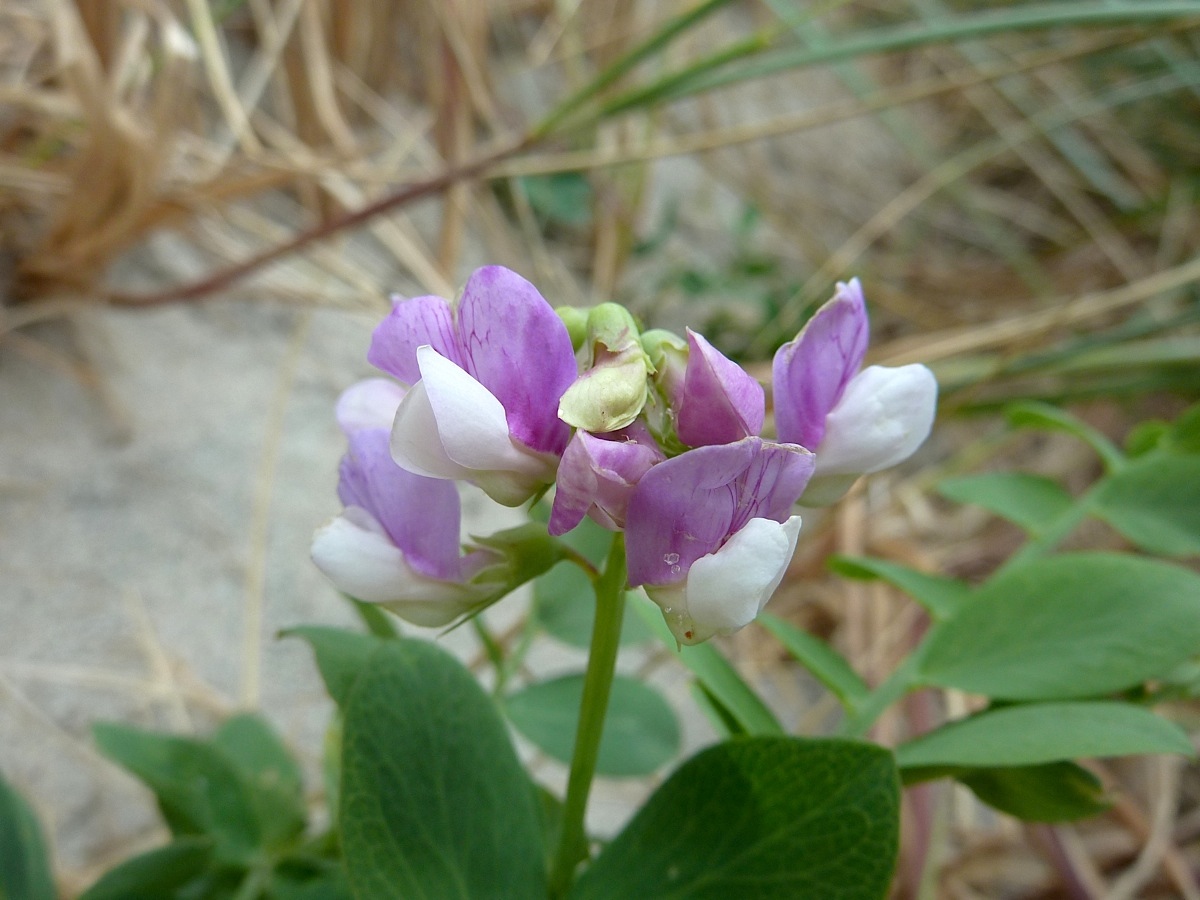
pixel 597 476
pixel 396 543
pixel 856 422
pixel 719 402
pixel 710 532
pixel 486 381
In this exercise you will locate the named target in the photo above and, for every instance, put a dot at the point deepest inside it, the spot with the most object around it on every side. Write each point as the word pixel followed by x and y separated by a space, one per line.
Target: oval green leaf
pixel 757 818
pixel 1044 732
pixel 1068 627
pixel 1155 502
pixel 434 801
pixel 1031 501
pixel 24 863
pixel 156 873
pixel 641 732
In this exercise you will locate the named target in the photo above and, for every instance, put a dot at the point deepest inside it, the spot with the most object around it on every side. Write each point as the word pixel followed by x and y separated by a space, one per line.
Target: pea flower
pixel 597 476
pixel 486 378
pixel 718 402
pixel 857 422
pixel 710 532
pixel 396 543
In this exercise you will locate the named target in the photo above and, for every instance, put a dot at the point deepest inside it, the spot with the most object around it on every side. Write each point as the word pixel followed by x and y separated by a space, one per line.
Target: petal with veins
pixel 811 372
pixel 412 324
pixel 720 402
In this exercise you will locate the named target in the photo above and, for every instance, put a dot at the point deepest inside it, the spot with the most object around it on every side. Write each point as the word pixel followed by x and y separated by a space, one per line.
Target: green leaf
pixel 1155 502
pixel 561 198
pixel 719 678
pixel 157 873
pixel 434 801
pixel 940 596
pixel 1185 433
pixel 329 886
pixel 1035 733
pixel 340 654
pixel 766 817
pixel 1030 501
pixel 24 864
pixel 274 780
pixel 1067 627
pixel 1051 792
pixel 826 664
pixel 641 732
pixel 1050 418
pixel 198 788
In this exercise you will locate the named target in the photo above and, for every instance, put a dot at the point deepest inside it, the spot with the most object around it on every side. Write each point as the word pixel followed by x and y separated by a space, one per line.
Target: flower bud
pixel 613 390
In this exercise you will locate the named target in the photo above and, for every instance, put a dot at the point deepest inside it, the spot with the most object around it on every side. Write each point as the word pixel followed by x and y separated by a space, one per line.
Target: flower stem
pixel 602 660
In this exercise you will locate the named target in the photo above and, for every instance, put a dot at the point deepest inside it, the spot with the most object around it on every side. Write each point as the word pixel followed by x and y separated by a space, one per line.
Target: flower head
pixel 710 532
pixel 857 422
pixel 396 542
pixel 486 380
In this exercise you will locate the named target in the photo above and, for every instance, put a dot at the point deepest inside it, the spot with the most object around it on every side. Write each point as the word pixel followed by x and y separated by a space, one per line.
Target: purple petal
pixel 411 324
pixel 420 515
pixel 720 402
pixel 597 476
pixel 811 372
pixel 516 347
pixel 686 507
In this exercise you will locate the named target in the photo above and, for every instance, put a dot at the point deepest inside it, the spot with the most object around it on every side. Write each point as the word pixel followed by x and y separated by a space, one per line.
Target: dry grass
pixel 1002 199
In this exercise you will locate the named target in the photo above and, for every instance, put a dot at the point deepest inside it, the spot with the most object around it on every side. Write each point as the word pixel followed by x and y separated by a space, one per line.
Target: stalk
pixel 602 660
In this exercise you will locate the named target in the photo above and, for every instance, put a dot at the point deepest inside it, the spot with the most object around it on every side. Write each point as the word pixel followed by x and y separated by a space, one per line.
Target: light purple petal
pixel 597 475
pixel 420 515
pixel 411 324
pixel 811 373
pixel 516 347
pixel 686 507
pixel 369 404
pixel 720 402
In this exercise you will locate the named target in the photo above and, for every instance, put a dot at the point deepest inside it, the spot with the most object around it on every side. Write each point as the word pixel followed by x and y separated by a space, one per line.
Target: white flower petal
pixel 726 590
pixel 358 558
pixel 884 415
pixel 416 444
pixel 369 404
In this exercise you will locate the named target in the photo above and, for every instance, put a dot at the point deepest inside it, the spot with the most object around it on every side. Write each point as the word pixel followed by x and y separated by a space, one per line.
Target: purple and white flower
pixel 396 543
pixel 710 532
pixel 597 476
pixel 857 422
pixel 719 401
pixel 486 381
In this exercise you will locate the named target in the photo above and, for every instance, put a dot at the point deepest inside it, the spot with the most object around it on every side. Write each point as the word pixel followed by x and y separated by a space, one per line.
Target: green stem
pixel 602 661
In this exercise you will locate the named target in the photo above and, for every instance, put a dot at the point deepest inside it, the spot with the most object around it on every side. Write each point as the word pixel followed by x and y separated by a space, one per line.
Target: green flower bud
pixel 576 320
pixel 613 390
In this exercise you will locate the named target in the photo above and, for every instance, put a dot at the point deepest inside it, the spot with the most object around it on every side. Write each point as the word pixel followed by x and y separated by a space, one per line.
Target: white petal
pixel 726 590
pixel 884 415
pixel 416 444
pixel 360 560
pixel 369 404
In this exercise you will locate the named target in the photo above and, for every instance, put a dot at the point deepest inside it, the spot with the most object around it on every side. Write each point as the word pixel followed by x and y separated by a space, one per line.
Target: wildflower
pixel 710 532
pixel 486 378
pixel 597 476
pixel 857 422
pixel 719 402
pixel 396 542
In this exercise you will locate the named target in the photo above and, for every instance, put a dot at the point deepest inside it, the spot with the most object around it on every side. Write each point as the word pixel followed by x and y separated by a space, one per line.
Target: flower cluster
pixel 649 433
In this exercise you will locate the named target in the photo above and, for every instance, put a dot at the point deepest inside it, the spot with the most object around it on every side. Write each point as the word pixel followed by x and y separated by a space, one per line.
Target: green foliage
pixel 434 801
pixel 826 664
pixel 766 817
pixel 340 655
pixel 641 732
pixel 1155 502
pixel 24 863
pixel 941 597
pixel 162 872
pixel 1051 792
pixel 738 706
pixel 1031 501
pixel 1031 734
pixel 1069 626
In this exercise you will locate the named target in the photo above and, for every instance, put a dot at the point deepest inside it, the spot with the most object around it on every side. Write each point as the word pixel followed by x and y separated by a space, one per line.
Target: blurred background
pixel 205 204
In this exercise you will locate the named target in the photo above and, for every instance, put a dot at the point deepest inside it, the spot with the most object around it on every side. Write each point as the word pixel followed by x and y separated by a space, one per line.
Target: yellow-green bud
pixel 613 390
pixel 576 320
